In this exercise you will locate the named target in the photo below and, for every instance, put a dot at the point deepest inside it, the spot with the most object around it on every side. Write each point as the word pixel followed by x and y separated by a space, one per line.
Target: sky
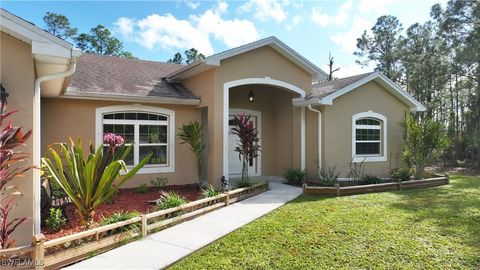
pixel 156 30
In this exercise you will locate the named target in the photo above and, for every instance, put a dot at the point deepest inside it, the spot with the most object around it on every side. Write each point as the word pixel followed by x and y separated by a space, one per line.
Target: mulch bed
pixel 125 200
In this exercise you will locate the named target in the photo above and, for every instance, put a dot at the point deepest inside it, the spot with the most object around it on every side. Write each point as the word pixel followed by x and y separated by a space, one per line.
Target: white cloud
pixel 296 20
pixel 347 70
pixel 192 5
pixel 124 25
pixel 325 19
pixel 170 33
pixel 266 9
pixel 348 40
pixel 374 7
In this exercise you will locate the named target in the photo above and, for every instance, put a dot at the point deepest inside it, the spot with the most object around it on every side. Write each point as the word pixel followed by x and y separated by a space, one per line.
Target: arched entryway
pixel 273 98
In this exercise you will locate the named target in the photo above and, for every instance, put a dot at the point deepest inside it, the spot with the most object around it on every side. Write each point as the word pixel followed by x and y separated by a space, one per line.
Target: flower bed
pixel 126 200
pixel 338 190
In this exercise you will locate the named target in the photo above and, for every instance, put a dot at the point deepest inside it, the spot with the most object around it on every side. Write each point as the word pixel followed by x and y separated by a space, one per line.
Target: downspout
pixel 319 137
pixel 37 139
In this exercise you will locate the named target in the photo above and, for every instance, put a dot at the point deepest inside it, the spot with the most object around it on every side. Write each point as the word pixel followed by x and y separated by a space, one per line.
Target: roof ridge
pixel 131 59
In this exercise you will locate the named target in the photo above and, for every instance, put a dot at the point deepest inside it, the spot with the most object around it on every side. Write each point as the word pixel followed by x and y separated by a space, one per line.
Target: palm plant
pixel 91 182
pixel 191 134
pixel 248 147
pixel 424 141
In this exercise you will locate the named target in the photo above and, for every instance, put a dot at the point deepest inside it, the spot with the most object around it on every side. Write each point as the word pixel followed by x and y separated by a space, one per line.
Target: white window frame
pixel 170 166
pixel 383 137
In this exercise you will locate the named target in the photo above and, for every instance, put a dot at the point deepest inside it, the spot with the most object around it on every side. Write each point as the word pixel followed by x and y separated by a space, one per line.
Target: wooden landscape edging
pixel 62 251
pixel 362 189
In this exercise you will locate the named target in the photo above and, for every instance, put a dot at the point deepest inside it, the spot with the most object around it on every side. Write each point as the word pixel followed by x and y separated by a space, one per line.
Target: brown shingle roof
pixel 323 89
pixel 109 75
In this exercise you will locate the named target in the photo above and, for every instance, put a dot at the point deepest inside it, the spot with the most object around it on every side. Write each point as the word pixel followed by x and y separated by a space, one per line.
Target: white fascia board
pixel 384 81
pixel 72 94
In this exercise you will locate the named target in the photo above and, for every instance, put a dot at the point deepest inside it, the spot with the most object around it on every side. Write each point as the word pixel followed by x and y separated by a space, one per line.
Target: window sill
pixel 358 159
pixel 151 170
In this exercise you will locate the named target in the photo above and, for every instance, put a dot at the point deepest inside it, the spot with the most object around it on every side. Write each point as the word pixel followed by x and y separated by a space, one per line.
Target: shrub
pixel 210 191
pixel 191 134
pixel 170 200
pixel 244 183
pixel 357 170
pixel 56 219
pixel 120 216
pixel 329 176
pixel 401 174
pixel 295 176
pixel 247 146
pixel 371 179
pixel 159 182
pixel 142 188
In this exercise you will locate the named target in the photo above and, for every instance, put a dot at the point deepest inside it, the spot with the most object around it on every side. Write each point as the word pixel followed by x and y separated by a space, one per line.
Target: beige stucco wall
pixel 337 127
pixel 17 74
pixel 64 118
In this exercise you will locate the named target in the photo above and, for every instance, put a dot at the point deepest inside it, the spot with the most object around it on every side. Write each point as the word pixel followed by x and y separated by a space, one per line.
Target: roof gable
pixel 325 92
pixel 273 42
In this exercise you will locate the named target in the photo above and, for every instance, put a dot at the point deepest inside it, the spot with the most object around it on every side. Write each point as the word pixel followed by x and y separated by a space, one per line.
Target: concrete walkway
pixel 164 248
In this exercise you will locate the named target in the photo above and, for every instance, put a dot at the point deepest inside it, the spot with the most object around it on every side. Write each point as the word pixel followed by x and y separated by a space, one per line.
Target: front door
pixel 234 162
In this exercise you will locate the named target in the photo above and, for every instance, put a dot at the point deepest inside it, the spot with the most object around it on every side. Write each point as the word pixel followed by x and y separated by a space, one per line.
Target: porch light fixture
pixel 251 96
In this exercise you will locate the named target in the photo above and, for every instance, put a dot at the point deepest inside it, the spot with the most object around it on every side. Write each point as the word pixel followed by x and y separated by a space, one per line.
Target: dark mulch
pixel 125 200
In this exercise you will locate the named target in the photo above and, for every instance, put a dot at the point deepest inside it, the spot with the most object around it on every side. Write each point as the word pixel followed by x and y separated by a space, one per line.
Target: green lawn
pixel 433 228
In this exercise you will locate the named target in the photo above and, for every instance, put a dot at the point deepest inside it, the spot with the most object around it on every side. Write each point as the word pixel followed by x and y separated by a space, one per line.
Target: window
pixel 149 129
pixel 369 132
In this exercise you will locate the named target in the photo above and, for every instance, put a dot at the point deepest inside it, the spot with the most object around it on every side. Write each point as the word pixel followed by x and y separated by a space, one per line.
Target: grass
pixel 433 228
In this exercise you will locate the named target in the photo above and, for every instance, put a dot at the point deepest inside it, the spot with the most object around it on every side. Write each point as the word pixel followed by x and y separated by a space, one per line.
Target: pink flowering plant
pixel 247 147
pixel 91 181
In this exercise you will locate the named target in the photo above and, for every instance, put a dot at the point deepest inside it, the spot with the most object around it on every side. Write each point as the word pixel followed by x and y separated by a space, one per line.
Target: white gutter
pixel 37 139
pixel 319 137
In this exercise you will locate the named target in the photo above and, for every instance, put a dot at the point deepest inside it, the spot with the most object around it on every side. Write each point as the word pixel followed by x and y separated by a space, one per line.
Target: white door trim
pixel 226 107
pixel 257 114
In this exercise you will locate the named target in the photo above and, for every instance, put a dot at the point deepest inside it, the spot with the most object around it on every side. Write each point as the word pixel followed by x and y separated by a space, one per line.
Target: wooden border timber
pixel 69 249
pixel 362 189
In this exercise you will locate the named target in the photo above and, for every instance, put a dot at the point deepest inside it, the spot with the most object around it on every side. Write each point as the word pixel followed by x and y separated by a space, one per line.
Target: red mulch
pixel 125 200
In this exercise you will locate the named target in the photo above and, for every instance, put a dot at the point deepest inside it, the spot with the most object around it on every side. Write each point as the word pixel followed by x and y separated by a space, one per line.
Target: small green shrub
pixel 329 176
pixel 401 174
pixel 295 176
pixel 159 182
pixel 370 179
pixel 210 191
pixel 142 188
pixel 170 200
pixel 55 220
pixel 244 183
pixel 120 216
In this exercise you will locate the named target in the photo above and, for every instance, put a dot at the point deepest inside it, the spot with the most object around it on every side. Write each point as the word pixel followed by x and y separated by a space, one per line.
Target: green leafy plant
pixel 295 176
pixel 92 181
pixel 120 216
pixel 11 137
pixel 244 183
pixel 401 174
pixel 142 188
pixel 370 179
pixel 424 142
pixel 56 219
pixel 170 200
pixel 357 170
pixel 159 182
pixel 248 146
pixel 191 134
pixel 210 191
pixel 329 176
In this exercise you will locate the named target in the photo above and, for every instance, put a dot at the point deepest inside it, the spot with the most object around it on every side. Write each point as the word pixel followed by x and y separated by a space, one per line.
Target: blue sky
pixel 155 30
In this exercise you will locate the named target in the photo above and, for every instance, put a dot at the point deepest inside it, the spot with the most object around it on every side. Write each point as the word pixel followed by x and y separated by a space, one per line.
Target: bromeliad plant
pixel 247 147
pixel 10 138
pixel 92 181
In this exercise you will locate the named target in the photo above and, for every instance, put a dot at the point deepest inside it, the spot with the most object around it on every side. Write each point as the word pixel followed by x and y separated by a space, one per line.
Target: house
pixel 304 121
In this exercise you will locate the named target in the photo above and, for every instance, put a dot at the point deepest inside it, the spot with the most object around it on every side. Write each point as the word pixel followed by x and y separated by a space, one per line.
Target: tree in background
pixel 98 41
pixel 59 25
pixel 191 56
pixel 382 47
pixel 330 67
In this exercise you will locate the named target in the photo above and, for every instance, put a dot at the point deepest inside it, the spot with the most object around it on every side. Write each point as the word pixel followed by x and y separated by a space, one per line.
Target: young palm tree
pixel 424 141
pixel 191 134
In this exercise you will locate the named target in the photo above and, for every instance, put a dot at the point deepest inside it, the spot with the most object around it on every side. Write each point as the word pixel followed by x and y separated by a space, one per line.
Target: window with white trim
pixel 148 131
pixel 369 137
